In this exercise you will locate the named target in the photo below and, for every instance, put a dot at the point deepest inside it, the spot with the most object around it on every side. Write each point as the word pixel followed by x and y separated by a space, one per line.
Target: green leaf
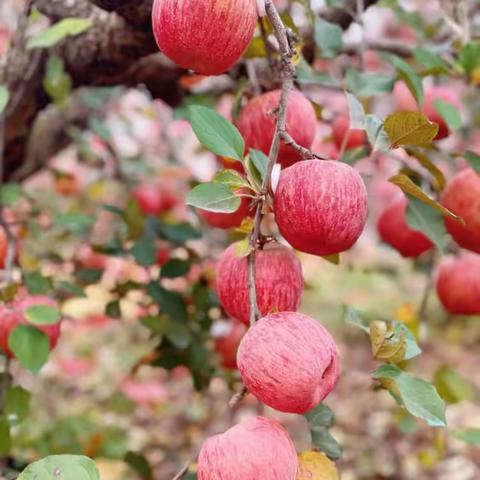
pixel 113 309
pixel 5 438
pixel 368 84
pixel 469 57
pixel 320 416
pixel 175 268
pixel 231 179
pixel 144 250
pixel 56 82
pixel 328 38
pixel 216 133
pixel 17 405
pixel 473 159
pixel 57 32
pixel 171 303
pixel 356 318
pixel 89 275
pixel 413 350
pixel 260 161
pixel 139 464
pixel 11 193
pixel 30 346
pixel 177 233
pixel 36 283
pixel 452 387
pixel 419 397
pixel 75 223
pixel 323 440
pixel 431 61
pixel 61 467
pixel 213 197
pixel 409 128
pixel 449 113
pixel 422 217
pixel 4 98
pixel 43 315
pixel 377 136
pixel 469 435
pixel 408 75
pixel 71 288
pixel 308 76
pixel 357 113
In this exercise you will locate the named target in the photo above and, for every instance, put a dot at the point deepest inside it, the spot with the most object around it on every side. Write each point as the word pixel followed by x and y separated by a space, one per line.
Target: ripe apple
pixel 278 280
pixel 406 102
pixel 13 314
pixel 231 164
pixel 462 197
pixel 206 36
pixel 394 230
pixel 316 466
pixel 341 128
pixel 227 220
pixel 289 361
pixel 227 345
pixel 458 284
pixel 154 199
pixel 162 255
pixel 256 449
pixel 320 206
pixel 257 122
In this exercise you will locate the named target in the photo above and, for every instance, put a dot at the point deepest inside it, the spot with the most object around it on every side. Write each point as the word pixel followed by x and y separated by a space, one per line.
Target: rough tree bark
pixel 118 50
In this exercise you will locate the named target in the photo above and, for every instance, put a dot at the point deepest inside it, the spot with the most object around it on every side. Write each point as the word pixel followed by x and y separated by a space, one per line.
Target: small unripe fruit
pixel 394 230
pixel 259 448
pixel 458 284
pixel 227 220
pixel 207 36
pixel 12 315
pixel 278 281
pixel 288 361
pixel 227 345
pixel 257 123
pixel 340 130
pixel 316 466
pixel 462 197
pixel 320 206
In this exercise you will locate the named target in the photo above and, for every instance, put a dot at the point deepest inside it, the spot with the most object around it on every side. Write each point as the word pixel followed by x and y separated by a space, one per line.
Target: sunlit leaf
pixel 213 197
pixel 61 467
pixel 409 128
pixel 30 347
pixel 60 30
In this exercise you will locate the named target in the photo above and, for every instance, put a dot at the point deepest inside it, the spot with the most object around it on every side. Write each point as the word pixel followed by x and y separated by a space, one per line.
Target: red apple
pixel 154 199
pixel 206 36
pixel 320 206
pixel 227 220
pixel 257 122
pixel 231 164
pixel 462 197
pixel 227 345
pixel 13 314
pixel 163 255
pixel 289 361
pixel 458 284
pixel 393 229
pixel 278 278
pixel 340 130
pixel 259 448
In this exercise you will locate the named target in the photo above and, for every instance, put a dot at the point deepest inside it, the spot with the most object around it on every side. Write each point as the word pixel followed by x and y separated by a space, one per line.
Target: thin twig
pixel 423 307
pixel 184 469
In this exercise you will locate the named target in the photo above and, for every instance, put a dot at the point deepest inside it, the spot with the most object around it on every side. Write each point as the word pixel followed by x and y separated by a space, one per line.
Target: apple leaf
pixel 409 128
pixel 5 437
pixel 471 436
pixel 431 61
pixel 43 315
pixel 364 84
pixel 216 133
pixel 419 397
pixel 425 162
pixel 377 136
pixel 61 467
pixel 449 113
pixel 17 404
pixel 328 38
pixel 473 159
pixel 357 112
pixel 4 98
pixel 213 197
pixel 356 318
pixel 260 160
pixel 30 346
pixel 231 179
pixel 144 250
pixel 469 57
pixel 57 32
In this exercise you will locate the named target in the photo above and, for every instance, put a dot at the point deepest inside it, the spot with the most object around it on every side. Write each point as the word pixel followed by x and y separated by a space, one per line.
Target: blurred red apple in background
pixel 462 197
pixel 458 284
pixel 394 230
pixel 227 220
pixel 320 206
pixel 154 199
pixel 226 345
pixel 257 122
pixel 205 36
pixel 341 129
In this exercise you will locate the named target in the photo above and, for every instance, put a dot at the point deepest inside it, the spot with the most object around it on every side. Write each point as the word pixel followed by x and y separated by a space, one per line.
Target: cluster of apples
pixel 287 360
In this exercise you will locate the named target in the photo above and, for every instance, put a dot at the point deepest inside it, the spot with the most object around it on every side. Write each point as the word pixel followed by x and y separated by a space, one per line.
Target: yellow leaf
pixel 407 314
pixel 425 162
pixel 243 248
pixel 475 77
pixel 335 258
pixel 316 466
pixel 407 186
pixel 246 226
pixel 410 128
pixel 386 346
